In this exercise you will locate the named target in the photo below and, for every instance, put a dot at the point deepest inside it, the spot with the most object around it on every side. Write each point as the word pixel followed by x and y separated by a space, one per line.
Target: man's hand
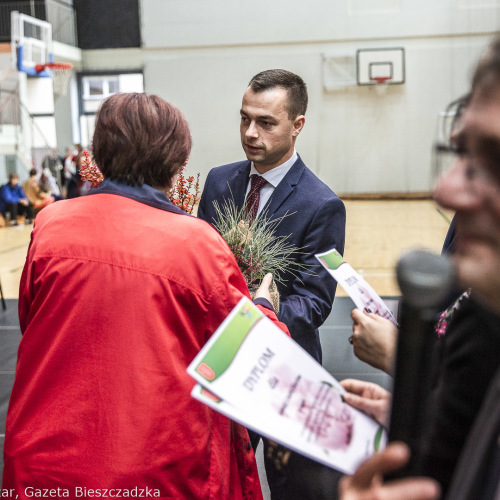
pixel 369 398
pixel 366 483
pixel 24 201
pixel 374 340
pixel 263 290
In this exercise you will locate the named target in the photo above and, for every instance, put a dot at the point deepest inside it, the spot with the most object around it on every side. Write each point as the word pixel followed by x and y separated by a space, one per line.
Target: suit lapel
pixel 237 185
pixel 285 188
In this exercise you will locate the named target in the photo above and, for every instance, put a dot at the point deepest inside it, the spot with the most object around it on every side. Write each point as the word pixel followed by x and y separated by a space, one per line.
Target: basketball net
pixel 382 82
pixel 61 75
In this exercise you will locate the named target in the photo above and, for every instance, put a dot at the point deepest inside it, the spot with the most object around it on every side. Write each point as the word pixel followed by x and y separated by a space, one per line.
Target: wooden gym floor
pixel 377 232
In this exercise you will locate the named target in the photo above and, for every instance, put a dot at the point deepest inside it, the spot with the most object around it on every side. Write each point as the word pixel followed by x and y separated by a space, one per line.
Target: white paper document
pixel 361 293
pixel 255 374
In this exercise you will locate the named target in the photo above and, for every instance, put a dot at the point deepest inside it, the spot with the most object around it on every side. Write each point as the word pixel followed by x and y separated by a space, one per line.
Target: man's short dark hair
pixel 33 172
pixel 292 83
pixel 140 138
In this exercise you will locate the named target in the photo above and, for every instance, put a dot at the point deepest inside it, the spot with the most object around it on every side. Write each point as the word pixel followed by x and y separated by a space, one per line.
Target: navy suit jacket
pixel 314 222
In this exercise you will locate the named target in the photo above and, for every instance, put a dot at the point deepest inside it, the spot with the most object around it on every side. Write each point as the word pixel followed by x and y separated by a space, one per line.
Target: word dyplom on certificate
pixel 361 293
pixel 258 376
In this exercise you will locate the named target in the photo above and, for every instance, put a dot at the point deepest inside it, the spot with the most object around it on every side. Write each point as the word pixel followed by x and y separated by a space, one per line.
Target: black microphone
pixel 425 279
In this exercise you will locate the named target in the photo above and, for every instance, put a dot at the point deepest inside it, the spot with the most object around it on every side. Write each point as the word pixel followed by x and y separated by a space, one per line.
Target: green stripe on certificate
pixel 332 259
pixel 224 349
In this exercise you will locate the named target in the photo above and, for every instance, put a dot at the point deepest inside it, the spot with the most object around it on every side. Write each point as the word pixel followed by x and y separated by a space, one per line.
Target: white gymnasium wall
pixel 200 55
pixel 181 23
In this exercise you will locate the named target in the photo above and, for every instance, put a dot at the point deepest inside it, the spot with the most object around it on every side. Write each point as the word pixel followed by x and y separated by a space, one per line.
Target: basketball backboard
pixel 31 41
pixel 375 66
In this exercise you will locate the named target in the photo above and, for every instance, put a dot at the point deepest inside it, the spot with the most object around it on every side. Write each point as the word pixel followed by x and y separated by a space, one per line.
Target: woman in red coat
pixel 120 291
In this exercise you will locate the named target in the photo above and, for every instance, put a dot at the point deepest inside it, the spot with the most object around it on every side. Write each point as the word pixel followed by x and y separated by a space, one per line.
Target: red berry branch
pixel 184 195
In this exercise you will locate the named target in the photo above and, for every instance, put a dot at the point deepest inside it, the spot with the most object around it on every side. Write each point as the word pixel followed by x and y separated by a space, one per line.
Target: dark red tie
pixel 253 198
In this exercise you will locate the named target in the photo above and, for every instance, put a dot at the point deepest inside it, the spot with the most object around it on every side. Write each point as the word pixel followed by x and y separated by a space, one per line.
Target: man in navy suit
pixel 272 117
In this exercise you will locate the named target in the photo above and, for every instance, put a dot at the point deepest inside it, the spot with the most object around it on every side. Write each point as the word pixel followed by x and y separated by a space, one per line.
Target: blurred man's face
pixel 14 181
pixel 472 189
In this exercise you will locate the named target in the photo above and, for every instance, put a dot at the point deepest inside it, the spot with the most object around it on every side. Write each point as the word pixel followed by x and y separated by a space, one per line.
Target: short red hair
pixel 140 138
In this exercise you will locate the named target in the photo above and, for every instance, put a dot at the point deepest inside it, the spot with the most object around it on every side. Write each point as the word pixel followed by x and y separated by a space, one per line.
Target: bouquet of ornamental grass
pixel 257 249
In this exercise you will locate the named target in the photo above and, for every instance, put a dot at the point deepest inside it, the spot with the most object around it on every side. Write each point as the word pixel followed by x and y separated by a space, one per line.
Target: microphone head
pixel 425 278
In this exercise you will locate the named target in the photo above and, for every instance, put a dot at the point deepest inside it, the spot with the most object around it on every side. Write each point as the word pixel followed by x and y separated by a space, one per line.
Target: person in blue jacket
pixel 14 200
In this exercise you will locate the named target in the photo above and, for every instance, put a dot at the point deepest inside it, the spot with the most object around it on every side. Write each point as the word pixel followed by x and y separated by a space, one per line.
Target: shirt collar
pixel 143 194
pixel 276 174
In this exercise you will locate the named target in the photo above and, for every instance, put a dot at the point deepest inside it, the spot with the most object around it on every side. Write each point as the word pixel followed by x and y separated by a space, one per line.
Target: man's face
pixel 472 189
pixel 268 134
pixel 14 181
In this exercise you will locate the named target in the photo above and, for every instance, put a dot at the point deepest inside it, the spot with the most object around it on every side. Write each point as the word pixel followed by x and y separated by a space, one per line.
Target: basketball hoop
pixel 61 75
pixel 381 83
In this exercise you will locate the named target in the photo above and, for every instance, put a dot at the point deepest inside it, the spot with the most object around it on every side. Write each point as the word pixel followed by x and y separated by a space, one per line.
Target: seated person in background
pixel 35 194
pixel 49 185
pixel 52 162
pixel 15 201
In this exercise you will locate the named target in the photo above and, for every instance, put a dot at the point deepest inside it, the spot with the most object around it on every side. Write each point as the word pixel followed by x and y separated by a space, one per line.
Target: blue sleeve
pixel 261 301
pixel 9 195
pixel 313 291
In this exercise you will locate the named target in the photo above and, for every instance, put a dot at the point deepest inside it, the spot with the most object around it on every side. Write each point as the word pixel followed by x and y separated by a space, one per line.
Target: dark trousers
pixel 302 479
pixel 310 480
pixel 16 209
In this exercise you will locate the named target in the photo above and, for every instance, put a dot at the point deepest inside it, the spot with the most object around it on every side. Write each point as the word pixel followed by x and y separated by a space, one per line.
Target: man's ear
pixel 298 125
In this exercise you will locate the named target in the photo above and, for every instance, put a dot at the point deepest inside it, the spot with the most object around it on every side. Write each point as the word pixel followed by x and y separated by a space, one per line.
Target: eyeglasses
pixel 480 176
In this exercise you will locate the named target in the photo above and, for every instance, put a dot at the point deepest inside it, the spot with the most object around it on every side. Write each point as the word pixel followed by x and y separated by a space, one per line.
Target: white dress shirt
pixel 273 178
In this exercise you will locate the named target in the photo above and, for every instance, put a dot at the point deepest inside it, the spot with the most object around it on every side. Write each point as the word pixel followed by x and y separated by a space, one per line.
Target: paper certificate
pixel 258 376
pixel 361 293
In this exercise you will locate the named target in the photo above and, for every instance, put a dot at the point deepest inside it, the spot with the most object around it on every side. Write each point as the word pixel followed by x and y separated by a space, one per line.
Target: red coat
pixel 116 299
